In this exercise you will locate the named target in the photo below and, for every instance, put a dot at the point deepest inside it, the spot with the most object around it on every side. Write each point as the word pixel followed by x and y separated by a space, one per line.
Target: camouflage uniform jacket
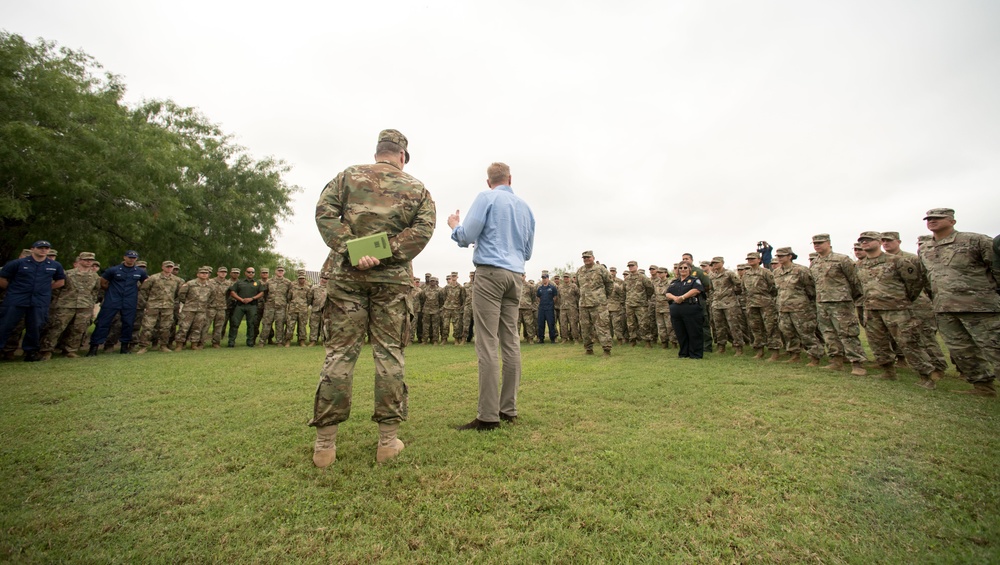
pixel 317 297
pixel 220 292
pixel 159 291
pixel 416 295
pixel 467 305
pixel 80 290
pixel 958 270
pixel 890 282
pixel 595 284
pixel 368 199
pixel 836 278
pixel 569 296
pixel 922 302
pixel 196 295
pixel 299 297
pixel 759 288
pixel 796 288
pixel 528 297
pixel 660 295
pixel 454 296
pixel 726 286
pixel 638 290
pixel 432 299
pixel 616 301
pixel 277 292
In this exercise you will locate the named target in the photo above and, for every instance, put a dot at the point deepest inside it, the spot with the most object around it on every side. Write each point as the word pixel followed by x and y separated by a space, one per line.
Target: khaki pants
pixel 494 307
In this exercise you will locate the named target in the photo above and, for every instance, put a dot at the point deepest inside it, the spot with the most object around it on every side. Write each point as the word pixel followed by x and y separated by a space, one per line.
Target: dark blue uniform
pixel 688 318
pixel 29 293
pixel 546 310
pixel 121 297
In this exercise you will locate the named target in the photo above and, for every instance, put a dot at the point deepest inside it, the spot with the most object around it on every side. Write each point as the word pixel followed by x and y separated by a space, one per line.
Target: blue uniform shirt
pixel 546 296
pixel 502 227
pixel 29 282
pixel 123 286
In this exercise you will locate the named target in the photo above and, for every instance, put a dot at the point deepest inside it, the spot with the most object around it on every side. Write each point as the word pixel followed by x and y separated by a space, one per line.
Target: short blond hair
pixel 498 173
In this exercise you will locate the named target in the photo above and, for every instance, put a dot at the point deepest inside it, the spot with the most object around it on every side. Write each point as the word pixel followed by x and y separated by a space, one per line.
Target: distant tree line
pixel 82 169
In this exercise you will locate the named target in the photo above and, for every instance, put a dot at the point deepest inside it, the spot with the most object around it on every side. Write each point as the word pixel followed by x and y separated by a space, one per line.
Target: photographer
pixel 764 248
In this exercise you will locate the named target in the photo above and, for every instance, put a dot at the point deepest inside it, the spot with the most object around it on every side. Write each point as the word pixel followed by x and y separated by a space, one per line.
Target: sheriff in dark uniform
pixel 686 295
pixel 246 292
pixel 121 295
pixel 29 282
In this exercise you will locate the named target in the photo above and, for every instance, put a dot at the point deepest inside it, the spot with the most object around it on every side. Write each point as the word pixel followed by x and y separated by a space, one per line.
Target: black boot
pixel 126 348
pixel 93 350
pixel 31 356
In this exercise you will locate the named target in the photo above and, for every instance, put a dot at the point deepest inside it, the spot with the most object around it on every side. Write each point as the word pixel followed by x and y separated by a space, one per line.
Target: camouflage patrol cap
pixel 717 260
pixel 301 273
pixel 27 252
pixel 813 255
pixel 209 267
pixel 753 255
pixel 454 273
pixel 613 269
pixel 653 268
pixel 167 264
pixel 266 270
pixel 234 270
pixel 633 264
pixel 205 269
pixel 279 268
pixel 565 276
pixel 399 139
pixel 642 271
pixel 774 261
pixel 472 273
pixel 222 270
pixel 938 213
pixel 742 267
pixel 703 264
pixel 857 246
pixel 587 253
pixel 140 264
pixel 925 237
pixel 890 235
pixel 86 256
pixel 52 253
pixel 783 251
pixel 97 263
pixel 434 279
pixel 870 235
pixel 821 237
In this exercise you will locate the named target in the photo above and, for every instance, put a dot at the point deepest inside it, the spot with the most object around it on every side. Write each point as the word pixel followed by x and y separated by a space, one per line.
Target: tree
pixel 80 168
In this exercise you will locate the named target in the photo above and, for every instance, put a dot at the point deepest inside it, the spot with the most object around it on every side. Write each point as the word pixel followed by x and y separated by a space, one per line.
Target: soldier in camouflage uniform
pixel 467 324
pixel 760 292
pixel 569 310
pixel 662 304
pixel 215 316
pixel 837 287
pixel 726 307
pixel 234 276
pixel 431 302
pixel 742 300
pixel 451 313
pixel 859 302
pixel 638 290
pixel 890 282
pixel 796 307
pixel 73 308
pixel 595 285
pixel 317 300
pixel 160 294
pixel 526 318
pixel 616 307
pixel 265 280
pixel 279 290
pixel 298 309
pixel 195 297
pixel 372 298
pixel 960 269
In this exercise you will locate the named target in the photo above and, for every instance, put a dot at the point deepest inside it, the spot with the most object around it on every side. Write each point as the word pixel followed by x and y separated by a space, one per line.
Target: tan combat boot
pixel 813 362
pixel 141 350
pixel 389 445
pixel 178 346
pixel 980 389
pixel 773 357
pixel 930 381
pixel 888 372
pixel 836 363
pixel 795 358
pixel 721 348
pixel 739 351
pixel 165 349
pixel 46 356
pixel 759 353
pixel 858 369
pixel 325 448
pixel 71 355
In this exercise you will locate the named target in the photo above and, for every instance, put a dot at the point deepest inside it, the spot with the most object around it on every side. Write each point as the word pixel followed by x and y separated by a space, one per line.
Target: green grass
pixel 206 457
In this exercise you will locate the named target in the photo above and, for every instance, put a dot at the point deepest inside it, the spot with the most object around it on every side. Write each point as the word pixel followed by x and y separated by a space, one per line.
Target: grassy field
pixel 206 457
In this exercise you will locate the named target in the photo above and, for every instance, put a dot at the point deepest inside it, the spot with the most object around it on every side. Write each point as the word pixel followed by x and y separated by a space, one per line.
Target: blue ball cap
pixel 132 254
pixel 41 243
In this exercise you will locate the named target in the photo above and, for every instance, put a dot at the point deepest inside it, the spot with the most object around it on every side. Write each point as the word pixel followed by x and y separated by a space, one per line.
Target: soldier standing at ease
pixel 837 287
pixel 664 329
pixel 234 276
pixel 451 313
pixel 215 318
pixel 317 300
pixel 760 292
pixel 796 307
pixel 595 285
pixel 160 294
pixel 526 318
pixel 278 294
pixel 431 301
pixel 74 307
pixel 638 290
pixel 961 269
pixel 468 329
pixel 194 297
pixel 725 306
pixel 298 309
pixel 246 292
pixel 569 310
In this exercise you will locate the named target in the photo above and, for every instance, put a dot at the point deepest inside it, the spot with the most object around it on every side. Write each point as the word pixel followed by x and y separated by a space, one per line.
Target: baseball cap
pixel 131 253
pixel 395 137
pixel 41 243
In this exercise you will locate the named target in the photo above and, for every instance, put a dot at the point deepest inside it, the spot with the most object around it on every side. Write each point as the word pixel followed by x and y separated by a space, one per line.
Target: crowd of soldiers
pixel 172 313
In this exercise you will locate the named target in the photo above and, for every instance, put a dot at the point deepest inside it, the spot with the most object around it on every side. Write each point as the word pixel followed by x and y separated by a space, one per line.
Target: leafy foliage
pixel 82 169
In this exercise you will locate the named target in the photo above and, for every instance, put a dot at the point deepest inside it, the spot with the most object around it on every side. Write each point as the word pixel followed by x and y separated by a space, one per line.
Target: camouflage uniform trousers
pixel 259 321
pixel 839 323
pixel 764 327
pixel 191 327
pixel 298 320
pixel 973 339
pixel 432 328
pixel 527 320
pixel 928 338
pixel 728 324
pixel 885 326
pixel 799 331
pixel 618 325
pixel 316 326
pixel 451 321
pixel 569 323
pixel 357 309
pixel 72 321
pixel 215 319
pixel 747 336
pixel 276 316
pixel 466 324
pixel 594 320
pixel 637 318
pixel 156 322
pixel 664 328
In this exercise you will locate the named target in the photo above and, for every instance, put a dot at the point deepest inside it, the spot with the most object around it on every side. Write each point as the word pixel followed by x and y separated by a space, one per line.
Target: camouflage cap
pixel 222 270
pixel 870 235
pixel 209 267
pixel 813 255
pixel 97 263
pixel 565 276
pixel 52 253
pixel 301 273
pixel 279 268
pixel 633 264
pixel 434 279
pixel 890 235
pixel 167 264
pixel 613 269
pixel 266 270
pixel 234 270
pixel 703 264
pixel 821 237
pixel 472 273
pixel 177 266
pixel 742 267
pixel 653 267
pixel 428 275
pixel 783 251
pixel 925 237
pixel 86 256
pixel 399 139
pixel 27 252
pixel 326 275
pixel 857 245
pixel 205 269
pixel 454 273
pixel 587 253
pixel 753 255
pixel 717 260
pixel 938 213
pixel 140 264
pixel 642 271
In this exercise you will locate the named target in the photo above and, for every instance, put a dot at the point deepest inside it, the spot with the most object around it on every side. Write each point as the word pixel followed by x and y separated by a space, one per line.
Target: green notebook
pixel 376 245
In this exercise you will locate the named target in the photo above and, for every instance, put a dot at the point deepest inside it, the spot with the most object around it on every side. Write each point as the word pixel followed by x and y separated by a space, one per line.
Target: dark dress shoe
pixel 479 426
pixel 508 418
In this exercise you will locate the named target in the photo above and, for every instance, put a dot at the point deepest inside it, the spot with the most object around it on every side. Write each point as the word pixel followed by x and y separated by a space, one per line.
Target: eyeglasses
pixel 683 268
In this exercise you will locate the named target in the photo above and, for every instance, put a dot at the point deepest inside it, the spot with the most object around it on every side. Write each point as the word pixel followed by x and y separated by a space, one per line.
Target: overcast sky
pixel 639 130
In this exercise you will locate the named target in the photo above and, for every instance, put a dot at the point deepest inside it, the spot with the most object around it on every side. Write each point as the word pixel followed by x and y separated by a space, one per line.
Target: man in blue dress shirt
pixel 502 228
pixel 29 282
pixel 121 286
